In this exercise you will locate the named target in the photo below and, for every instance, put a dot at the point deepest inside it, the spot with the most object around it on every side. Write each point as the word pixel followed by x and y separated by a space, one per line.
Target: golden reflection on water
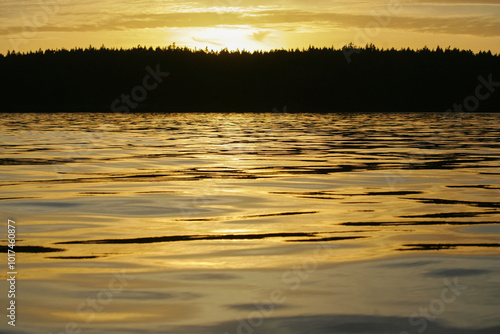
pixel 211 212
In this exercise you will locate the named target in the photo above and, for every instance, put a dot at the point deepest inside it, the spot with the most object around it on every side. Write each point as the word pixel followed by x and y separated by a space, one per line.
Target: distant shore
pixel 175 79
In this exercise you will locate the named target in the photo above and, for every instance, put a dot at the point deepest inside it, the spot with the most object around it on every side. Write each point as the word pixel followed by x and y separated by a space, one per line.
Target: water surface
pixel 253 223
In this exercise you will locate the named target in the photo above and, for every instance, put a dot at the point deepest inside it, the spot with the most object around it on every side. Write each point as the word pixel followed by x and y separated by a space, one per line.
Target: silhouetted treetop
pixel 313 79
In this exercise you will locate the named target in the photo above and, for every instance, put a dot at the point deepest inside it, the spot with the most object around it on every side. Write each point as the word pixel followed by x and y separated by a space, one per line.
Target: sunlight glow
pixel 231 37
pixel 250 25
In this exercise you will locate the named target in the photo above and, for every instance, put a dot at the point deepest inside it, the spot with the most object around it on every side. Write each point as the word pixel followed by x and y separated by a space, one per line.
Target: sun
pixel 231 37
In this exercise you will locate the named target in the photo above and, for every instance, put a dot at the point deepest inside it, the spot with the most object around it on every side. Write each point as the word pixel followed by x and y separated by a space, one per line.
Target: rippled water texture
pixel 253 223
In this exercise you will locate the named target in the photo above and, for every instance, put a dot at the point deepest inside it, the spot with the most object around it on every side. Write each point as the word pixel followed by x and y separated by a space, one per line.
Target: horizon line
pixel 222 50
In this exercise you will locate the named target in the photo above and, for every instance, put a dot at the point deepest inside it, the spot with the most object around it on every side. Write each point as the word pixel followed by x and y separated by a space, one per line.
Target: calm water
pixel 253 223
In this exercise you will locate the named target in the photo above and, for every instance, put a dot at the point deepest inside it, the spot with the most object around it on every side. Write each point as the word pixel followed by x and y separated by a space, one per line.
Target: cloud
pixel 459 2
pixel 206 41
pixel 259 36
pixel 483 26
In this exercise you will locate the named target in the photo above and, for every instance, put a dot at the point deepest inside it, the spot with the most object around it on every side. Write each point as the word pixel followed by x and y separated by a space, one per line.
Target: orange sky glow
pixel 249 24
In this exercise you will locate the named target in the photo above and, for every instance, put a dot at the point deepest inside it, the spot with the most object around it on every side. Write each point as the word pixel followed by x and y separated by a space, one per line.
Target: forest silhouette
pixel 308 80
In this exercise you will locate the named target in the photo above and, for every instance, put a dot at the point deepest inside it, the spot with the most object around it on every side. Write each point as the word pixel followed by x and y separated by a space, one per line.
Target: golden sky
pixel 249 24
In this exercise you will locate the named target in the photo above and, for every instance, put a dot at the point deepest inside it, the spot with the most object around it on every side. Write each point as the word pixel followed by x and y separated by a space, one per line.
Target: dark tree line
pixel 314 79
